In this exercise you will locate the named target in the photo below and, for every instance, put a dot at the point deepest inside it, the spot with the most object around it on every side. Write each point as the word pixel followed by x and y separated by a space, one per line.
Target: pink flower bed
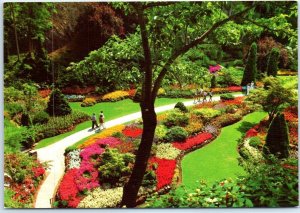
pixel 86 177
pixel 193 141
pixel 110 141
pixel 164 172
pixel 214 69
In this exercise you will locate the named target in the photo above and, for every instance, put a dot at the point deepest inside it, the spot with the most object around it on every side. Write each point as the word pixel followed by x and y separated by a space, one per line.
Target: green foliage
pixel 114 165
pixel 10 202
pixel 181 107
pixel 206 114
pixel 251 67
pixel 149 179
pixel 25 120
pixel 177 134
pixel 255 142
pixel 176 118
pixel 272 65
pixel 160 132
pixel 226 97
pixel 213 82
pixel 57 105
pixel 230 76
pixel 41 117
pixel 277 141
pixel 13 108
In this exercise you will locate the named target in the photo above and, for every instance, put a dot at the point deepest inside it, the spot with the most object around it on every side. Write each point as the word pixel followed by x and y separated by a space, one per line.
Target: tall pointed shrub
pixel 213 82
pixel 58 105
pixel 272 65
pixel 277 141
pixel 251 66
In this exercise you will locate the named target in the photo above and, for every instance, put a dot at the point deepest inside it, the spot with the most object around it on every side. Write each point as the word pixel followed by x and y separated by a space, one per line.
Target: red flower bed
pixel 78 90
pixel 39 171
pixel 132 132
pixel 131 92
pixel 164 172
pixel 236 101
pixel 68 190
pixel 251 133
pixel 291 114
pixel 23 191
pixel 293 135
pixel 190 142
pixel 44 93
pixel 235 89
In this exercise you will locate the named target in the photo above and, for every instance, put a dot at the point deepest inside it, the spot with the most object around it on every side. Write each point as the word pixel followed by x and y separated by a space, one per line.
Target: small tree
pixel 272 65
pixel 213 82
pixel 277 141
pixel 57 105
pixel 251 67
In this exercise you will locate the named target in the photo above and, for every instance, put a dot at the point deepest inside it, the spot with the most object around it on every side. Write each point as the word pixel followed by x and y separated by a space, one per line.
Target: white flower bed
pixel 75 159
pixel 167 151
pixel 253 151
pixel 100 198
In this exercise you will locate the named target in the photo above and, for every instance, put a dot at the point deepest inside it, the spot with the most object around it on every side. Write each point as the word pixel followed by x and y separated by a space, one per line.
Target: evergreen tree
pixel 272 65
pixel 42 65
pixel 213 82
pixel 57 105
pixel 277 141
pixel 251 67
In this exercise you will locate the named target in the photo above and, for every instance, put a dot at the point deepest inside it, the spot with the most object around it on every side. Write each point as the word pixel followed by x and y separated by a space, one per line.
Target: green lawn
pixel 218 160
pixel 112 110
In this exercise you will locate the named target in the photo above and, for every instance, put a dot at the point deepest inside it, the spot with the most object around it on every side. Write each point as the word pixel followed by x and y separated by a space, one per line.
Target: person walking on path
pixel 101 120
pixel 210 95
pixel 94 121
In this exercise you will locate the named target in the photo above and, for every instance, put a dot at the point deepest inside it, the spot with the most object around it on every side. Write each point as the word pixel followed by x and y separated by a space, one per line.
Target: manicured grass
pixel 218 160
pixel 112 110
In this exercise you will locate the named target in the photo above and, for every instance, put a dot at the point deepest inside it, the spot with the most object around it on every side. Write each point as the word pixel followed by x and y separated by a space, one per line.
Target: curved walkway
pixel 54 154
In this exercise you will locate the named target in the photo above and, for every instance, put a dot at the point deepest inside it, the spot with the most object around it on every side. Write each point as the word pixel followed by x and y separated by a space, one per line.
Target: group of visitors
pixel 249 87
pixel 101 121
pixel 203 94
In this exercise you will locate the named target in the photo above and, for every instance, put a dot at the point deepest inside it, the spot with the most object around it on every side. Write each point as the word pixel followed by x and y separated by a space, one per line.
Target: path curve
pixel 54 154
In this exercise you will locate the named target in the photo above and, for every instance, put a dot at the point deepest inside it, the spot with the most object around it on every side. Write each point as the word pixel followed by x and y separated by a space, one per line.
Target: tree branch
pixel 192 44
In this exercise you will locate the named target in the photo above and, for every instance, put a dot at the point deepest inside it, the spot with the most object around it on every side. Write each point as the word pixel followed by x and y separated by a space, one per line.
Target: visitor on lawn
pixel 101 120
pixel 94 121
pixel 210 95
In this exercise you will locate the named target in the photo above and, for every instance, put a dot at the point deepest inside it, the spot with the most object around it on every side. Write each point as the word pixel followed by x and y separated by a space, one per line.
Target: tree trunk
pixel 132 187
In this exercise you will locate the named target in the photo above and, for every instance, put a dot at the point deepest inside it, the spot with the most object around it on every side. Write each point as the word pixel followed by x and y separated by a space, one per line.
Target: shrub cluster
pixel 226 97
pixel 206 114
pixel 88 102
pixel 176 133
pixel 176 118
pixel 181 107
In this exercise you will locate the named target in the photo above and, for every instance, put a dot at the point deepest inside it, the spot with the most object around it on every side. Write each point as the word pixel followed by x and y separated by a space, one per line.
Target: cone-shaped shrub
pixel 277 141
pixel 213 82
pixel 57 105
pixel 272 65
pixel 251 68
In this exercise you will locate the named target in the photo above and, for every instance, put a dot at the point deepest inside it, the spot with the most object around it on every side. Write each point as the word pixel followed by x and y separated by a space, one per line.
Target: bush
pixel 272 65
pixel 57 105
pixel 25 120
pixel 226 97
pixel 167 151
pixel 40 118
pixel 13 108
pixel 88 102
pixel 277 141
pixel 251 66
pixel 255 142
pixel 160 132
pixel 115 96
pixel 114 165
pixel 181 107
pixel 177 134
pixel 176 118
pixel 206 114
pixel 213 82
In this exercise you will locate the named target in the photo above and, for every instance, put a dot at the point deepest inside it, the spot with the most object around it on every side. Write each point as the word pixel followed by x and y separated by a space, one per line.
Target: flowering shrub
pixel 132 131
pixel 38 171
pixel 161 117
pixel 44 93
pixel 100 198
pixel 195 125
pixel 125 147
pixel 74 98
pixel 74 159
pixel 251 133
pixel 86 178
pixel 214 69
pixel 68 190
pixel 78 90
pixel 88 102
pixel 91 151
pixel 291 114
pixel 164 172
pixel 115 96
pixel 211 129
pixel 236 101
pixel 104 134
pixel 160 132
pixel 193 141
pixel 167 151
pixel 24 191
pixel 176 118
pixel 235 89
pixel 206 114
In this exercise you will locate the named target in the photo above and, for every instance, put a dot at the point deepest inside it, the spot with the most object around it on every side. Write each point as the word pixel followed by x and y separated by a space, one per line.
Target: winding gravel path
pixel 54 154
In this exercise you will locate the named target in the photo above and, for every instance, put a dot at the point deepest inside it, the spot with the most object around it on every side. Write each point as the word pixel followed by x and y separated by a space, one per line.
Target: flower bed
pixel 44 93
pixel 132 132
pixel 193 141
pixel 164 172
pixel 167 151
pixel 235 89
pixel 291 114
pixel 251 133
pixel 236 101
pixel 115 96
pixel 78 90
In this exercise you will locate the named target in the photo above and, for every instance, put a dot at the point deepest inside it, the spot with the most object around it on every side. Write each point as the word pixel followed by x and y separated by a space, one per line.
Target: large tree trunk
pixel 132 187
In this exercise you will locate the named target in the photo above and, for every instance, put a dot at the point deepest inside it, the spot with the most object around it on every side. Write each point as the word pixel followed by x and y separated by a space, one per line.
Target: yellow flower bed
pixel 103 134
pixel 88 102
pixel 161 91
pixel 115 96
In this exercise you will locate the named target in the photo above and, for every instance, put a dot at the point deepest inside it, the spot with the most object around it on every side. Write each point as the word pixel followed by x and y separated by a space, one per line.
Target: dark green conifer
pixel 272 65
pixel 58 105
pixel 251 66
